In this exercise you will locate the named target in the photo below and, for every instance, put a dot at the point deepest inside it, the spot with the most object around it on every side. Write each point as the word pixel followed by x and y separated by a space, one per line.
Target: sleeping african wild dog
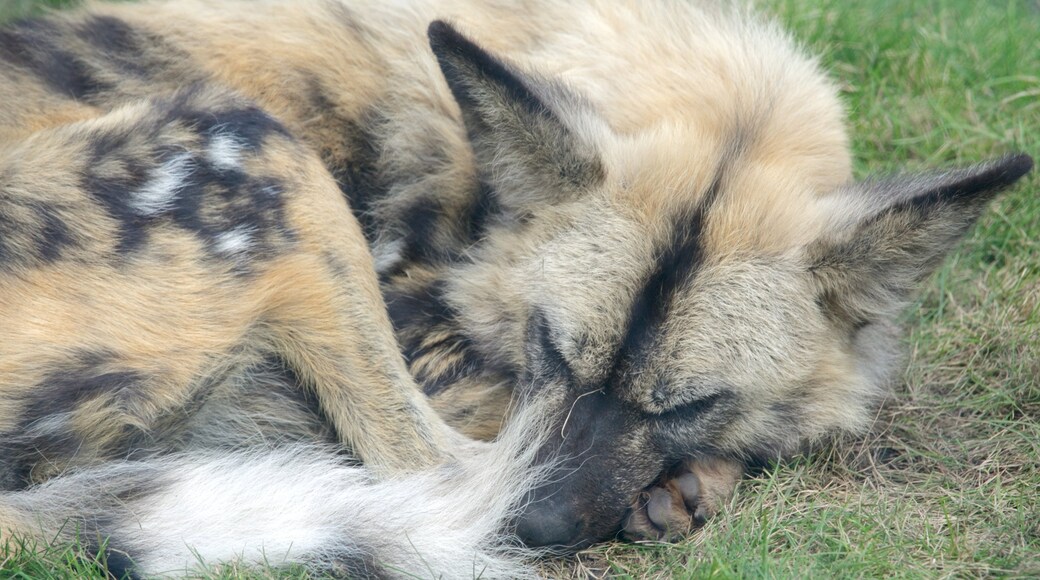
pixel 637 215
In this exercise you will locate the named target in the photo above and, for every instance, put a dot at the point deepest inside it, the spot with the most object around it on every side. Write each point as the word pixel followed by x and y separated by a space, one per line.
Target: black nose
pixel 543 524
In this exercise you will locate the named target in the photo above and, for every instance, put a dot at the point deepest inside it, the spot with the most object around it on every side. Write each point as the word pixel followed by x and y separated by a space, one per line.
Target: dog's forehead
pixel 595 245
pixel 584 277
pixel 745 325
pixel 731 307
pixel 722 322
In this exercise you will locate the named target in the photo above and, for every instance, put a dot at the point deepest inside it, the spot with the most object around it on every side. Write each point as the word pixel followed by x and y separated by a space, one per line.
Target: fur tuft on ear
pixel 524 150
pixel 886 236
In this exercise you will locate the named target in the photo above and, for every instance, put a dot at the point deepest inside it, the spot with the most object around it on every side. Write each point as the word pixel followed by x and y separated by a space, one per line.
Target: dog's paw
pixel 670 510
pixel 661 513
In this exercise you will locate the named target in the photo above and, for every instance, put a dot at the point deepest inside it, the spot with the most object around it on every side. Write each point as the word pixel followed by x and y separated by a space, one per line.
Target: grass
pixel 18 8
pixel 947 484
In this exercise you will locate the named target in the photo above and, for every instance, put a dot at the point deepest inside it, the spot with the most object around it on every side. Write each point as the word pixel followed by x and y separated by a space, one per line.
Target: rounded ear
pixel 886 236
pixel 525 151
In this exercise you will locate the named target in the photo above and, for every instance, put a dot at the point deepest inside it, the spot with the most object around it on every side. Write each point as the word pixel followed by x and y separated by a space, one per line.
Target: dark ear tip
pixel 1016 165
pixel 997 174
pixel 442 35
pixel 437 29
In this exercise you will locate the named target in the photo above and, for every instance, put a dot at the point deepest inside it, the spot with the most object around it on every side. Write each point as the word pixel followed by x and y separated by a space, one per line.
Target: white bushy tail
pixel 300 504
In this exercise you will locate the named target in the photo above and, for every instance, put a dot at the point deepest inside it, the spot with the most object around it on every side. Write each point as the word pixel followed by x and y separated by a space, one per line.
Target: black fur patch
pixel 674 268
pixel 420 313
pixel 88 374
pixel 87 60
pixel 468 362
pixel 105 549
pixel 54 234
pixel 357 565
pixel 354 165
pixel 485 209
pixel 116 563
pixel 419 222
pixel 215 204
pixel 211 202
pixel 545 361
pixel 249 125
pixel 425 307
pixel 119 565
pixel 358 179
pixel 119 44
pixel 32 232
pixel 35 46
pixel 112 191
pixel 13 471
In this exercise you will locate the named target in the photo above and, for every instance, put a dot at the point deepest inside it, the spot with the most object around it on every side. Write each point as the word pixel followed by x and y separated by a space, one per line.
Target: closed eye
pixel 718 401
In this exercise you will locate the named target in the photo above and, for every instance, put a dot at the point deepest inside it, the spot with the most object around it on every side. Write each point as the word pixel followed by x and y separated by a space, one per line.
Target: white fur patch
pixel 271 191
pixel 160 193
pixel 57 423
pixel 301 504
pixel 387 255
pixel 224 153
pixel 234 241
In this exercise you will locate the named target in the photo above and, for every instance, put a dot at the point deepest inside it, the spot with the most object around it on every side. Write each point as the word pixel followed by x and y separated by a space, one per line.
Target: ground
pixel 947 483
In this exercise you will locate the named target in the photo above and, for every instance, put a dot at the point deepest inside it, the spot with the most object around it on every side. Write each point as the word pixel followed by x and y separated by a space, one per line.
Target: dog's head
pixel 684 291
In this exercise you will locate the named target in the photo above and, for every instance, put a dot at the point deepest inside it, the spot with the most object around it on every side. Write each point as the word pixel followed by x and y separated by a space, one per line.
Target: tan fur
pixel 177 318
